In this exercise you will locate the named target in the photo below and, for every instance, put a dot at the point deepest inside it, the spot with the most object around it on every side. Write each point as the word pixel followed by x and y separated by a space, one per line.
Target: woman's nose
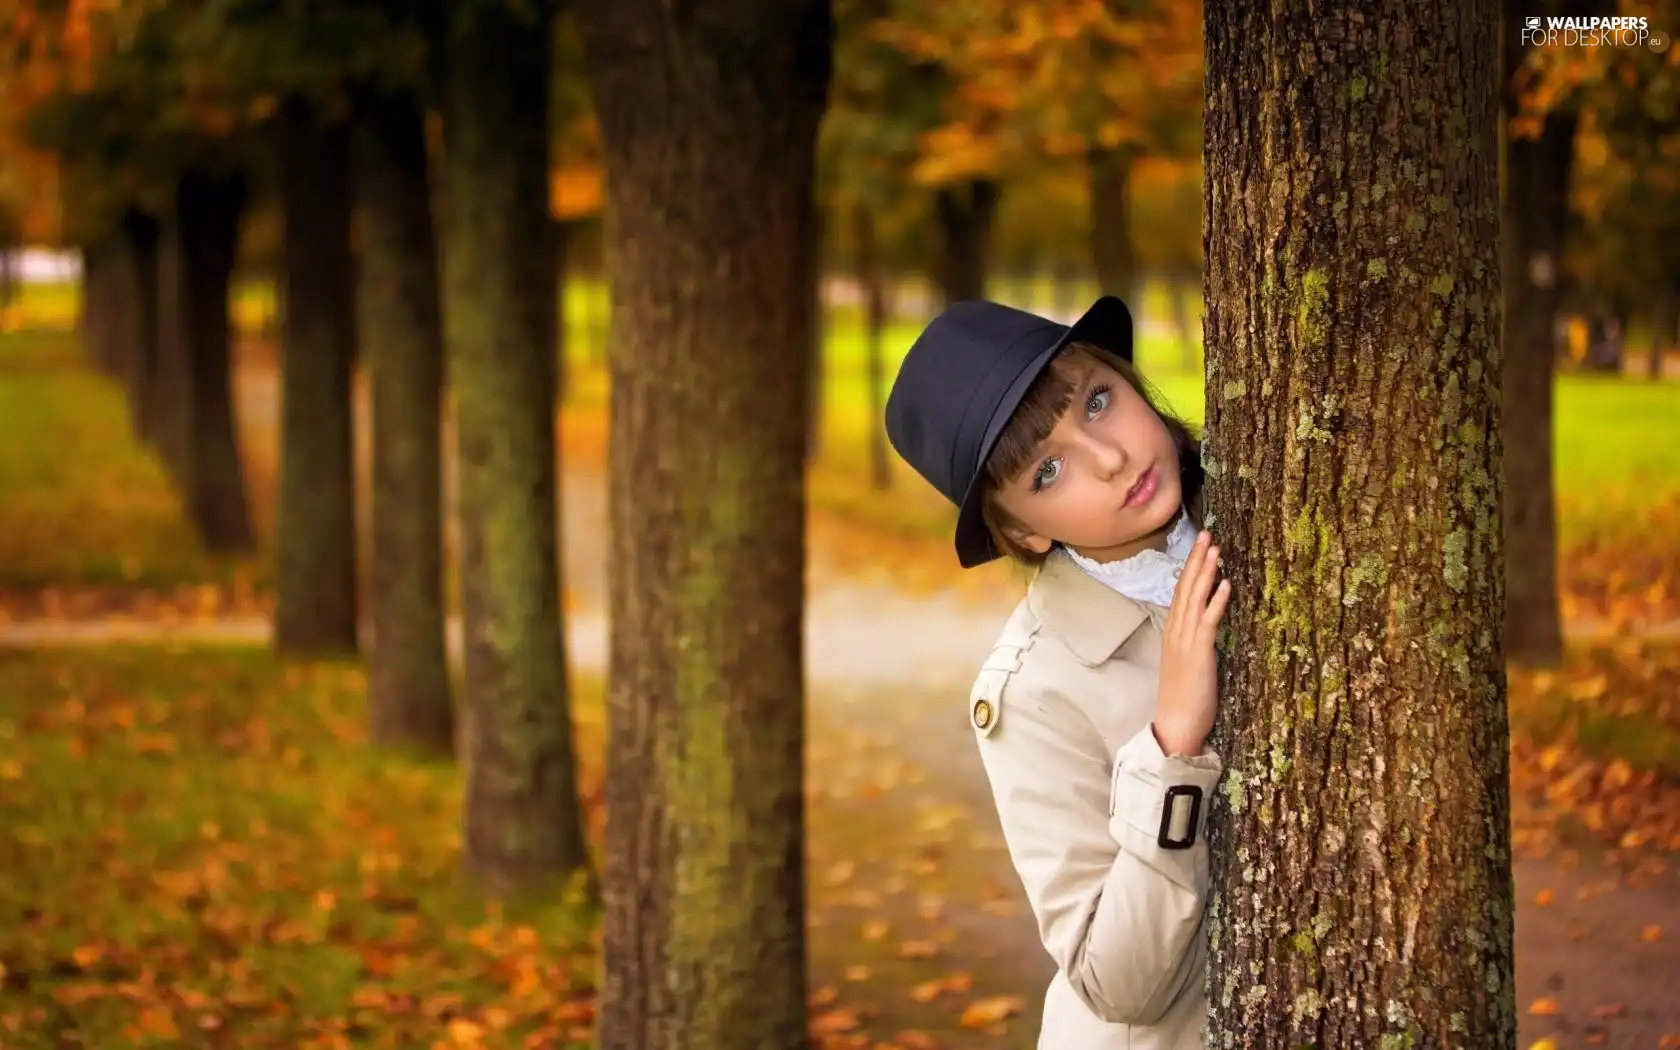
pixel 1109 457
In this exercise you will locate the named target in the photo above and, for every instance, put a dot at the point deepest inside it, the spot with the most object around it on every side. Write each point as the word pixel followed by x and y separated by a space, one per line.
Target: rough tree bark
pixel 964 215
pixel 709 123
pixel 522 821
pixel 1114 251
pixel 401 333
pixel 1362 850
pixel 196 254
pixel 315 528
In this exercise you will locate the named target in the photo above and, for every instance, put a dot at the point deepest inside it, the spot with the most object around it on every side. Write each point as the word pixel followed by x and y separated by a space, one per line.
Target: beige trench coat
pixel 1061 711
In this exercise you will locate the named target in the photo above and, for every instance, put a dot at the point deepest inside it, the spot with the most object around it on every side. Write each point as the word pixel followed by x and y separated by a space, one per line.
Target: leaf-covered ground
pixel 199 850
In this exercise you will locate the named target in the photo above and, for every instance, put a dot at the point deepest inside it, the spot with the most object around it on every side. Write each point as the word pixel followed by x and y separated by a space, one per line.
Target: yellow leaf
pixel 983 1013
pixel 1544 1044
pixel 833 1022
pixel 157 1021
pixel 463 1032
pixel 858 973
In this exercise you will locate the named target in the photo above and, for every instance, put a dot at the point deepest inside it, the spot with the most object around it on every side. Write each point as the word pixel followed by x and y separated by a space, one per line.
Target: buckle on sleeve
pixel 1164 839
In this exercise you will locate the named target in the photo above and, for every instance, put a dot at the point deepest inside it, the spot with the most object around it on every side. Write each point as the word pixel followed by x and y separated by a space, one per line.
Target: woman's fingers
pixel 1206 577
pixel 1183 594
pixel 1215 610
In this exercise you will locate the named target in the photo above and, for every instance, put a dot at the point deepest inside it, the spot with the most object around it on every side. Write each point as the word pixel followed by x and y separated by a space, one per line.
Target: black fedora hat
pixel 962 380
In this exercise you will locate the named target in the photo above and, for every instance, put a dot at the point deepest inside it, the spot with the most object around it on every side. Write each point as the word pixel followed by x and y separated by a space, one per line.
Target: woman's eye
pixel 1046 473
pixel 1097 401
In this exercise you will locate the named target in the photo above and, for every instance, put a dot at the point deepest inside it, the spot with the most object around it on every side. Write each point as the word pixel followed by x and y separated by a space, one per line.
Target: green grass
pixel 199 840
pixel 80 501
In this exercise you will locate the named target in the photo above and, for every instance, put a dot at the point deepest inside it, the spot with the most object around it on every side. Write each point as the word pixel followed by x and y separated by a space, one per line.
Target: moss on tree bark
pixel 523 827
pixel 709 124
pixel 401 331
pixel 1363 881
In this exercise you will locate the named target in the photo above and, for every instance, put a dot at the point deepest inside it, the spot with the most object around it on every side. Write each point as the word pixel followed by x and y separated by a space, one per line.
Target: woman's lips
pixel 1142 489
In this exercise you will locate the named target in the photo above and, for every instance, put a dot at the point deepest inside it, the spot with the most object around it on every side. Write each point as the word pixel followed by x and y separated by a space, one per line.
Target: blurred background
pixel 236 860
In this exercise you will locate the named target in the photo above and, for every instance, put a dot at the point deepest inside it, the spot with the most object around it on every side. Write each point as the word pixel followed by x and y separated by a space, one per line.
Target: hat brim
pixel 1108 324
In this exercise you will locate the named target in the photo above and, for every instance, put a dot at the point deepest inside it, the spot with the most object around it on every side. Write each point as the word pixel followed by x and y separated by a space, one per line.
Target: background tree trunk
pixel 1535 213
pixel 401 332
pixel 523 827
pixel 315 531
pixel 817 375
pixel 964 215
pixel 1114 251
pixel 138 266
pixel 1183 295
pixel 561 233
pixel 874 292
pixel 1664 321
pixel 712 147
pixel 102 306
pixel 1362 844
pixel 196 257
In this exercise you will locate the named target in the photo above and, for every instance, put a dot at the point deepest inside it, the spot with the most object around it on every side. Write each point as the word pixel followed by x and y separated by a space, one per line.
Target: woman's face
pixel 1106 480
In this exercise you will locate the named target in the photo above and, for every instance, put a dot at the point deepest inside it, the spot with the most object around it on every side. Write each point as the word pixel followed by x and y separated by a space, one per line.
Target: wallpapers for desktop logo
pixel 1593 31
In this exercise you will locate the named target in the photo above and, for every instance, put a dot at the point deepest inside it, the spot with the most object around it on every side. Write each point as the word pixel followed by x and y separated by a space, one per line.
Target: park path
pixel 894 668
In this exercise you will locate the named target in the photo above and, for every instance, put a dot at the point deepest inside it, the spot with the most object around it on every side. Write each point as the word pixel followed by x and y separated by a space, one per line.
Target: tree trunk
pixel 1182 293
pixel 101 304
pixel 561 232
pixel 1535 212
pixel 401 332
pixel 816 346
pixel 1664 322
pixel 1113 248
pixel 315 530
pixel 523 826
pixel 711 137
pixel 874 324
pixel 1362 841
pixel 137 263
pixel 196 255
pixel 964 216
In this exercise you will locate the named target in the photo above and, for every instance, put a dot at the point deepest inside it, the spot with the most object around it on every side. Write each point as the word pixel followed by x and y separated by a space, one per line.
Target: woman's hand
pixel 1189 682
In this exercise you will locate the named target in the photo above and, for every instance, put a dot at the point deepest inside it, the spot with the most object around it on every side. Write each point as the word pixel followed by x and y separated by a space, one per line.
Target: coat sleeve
pixel 1119 913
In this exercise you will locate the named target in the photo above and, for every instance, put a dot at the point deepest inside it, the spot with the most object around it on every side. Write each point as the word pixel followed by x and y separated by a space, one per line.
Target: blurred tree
pixel 139 141
pixel 400 325
pixel 288 70
pixel 882 136
pixel 523 824
pixel 1109 81
pixel 1627 185
pixel 1361 845
pixel 709 119
pixel 1539 156
pixel 315 526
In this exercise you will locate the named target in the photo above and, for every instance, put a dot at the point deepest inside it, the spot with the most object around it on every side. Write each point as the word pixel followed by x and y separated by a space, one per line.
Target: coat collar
pixel 1092 618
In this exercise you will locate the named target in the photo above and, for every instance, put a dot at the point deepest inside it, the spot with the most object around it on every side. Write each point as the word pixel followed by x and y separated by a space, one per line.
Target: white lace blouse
pixel 1148 576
